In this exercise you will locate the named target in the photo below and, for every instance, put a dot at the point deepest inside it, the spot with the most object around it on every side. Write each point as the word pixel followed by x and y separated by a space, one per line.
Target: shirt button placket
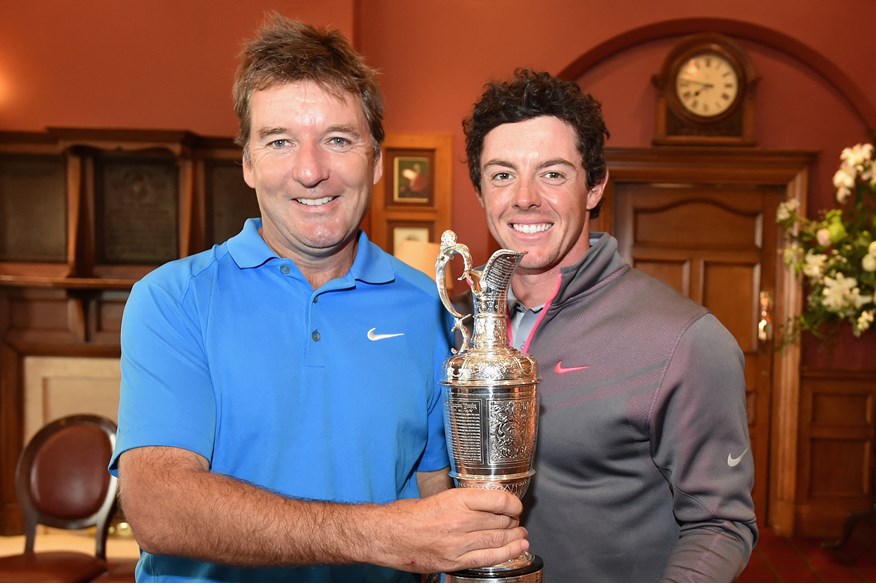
pixel 314 335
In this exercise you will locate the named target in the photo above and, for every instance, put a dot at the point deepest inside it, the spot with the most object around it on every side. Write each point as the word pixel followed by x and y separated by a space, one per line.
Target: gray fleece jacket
pixel 643 462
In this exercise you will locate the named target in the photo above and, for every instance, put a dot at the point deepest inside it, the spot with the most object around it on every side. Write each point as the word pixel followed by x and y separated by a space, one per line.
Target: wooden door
pixel 704 222
pixel 709 242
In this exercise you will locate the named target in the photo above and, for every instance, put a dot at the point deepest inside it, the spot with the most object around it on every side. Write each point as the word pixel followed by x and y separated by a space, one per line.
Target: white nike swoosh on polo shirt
pixel 372 336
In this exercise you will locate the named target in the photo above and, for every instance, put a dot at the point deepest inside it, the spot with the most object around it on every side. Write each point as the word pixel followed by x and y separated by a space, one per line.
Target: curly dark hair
pixel 531 94
pixel 286 51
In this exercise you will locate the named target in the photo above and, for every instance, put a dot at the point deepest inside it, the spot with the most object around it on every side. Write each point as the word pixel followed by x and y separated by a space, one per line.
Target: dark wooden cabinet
pixel 83 215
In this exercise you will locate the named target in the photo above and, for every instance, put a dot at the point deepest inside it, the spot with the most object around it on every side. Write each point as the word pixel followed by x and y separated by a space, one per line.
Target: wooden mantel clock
pixel 705 93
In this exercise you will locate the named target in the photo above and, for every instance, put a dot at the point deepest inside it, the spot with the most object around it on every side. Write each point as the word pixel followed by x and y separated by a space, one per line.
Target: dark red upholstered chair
pixel 62 481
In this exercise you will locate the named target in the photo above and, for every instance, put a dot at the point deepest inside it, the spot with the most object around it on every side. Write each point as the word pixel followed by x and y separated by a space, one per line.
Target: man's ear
pixel 247 171
pixel 378 167
pixel 480 198
pixel 594 195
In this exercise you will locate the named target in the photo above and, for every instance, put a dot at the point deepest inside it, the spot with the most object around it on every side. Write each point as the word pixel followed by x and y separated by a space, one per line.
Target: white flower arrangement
pixel 836 253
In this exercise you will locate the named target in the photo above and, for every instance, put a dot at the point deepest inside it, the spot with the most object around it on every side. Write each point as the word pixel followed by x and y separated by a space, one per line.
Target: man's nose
pixel 526 195
pixel 310 165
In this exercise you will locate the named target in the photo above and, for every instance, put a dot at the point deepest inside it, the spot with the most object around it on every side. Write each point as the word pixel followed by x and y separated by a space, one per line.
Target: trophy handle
pixel 449 247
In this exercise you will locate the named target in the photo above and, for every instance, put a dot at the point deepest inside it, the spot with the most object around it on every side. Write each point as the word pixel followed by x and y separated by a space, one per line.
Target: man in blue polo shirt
pixel 280 415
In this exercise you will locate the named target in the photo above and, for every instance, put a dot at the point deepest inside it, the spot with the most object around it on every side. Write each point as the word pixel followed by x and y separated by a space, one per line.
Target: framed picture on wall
pixel 412 177
pixel 229 200
pixel 33 198
pixel 419 231
pixel 137 209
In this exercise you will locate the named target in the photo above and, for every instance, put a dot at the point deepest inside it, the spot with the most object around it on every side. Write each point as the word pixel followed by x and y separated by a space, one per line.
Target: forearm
pixel 195 513
pixel 176 506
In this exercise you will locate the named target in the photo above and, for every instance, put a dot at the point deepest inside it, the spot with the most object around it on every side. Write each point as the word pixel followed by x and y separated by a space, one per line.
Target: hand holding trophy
pixel 490 399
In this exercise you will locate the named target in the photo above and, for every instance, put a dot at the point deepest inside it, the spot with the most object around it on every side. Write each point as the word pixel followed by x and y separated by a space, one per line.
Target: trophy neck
pixel 490 331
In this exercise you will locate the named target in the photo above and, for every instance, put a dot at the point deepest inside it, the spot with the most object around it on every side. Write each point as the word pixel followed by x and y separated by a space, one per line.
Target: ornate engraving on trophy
pixel 466 436
pixel 508 422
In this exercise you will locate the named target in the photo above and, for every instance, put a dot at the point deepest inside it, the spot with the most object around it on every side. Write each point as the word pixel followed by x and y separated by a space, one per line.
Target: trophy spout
pixel 489 288
pixel 495 280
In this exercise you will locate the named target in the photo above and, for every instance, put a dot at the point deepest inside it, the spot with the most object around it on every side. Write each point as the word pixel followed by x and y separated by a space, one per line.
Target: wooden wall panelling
pixel 104 316
pixel 72 307
pixel 139 220
pixel 33 227
pixel 42 316
pixel 836 449
pixel 224 199
pixel 79 253
pixel 186 202
pixel 11 433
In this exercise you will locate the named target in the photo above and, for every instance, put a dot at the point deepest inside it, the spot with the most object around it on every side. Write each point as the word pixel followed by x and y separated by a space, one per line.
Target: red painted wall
pixel 437 57
pixel 163 64
pixel 168 64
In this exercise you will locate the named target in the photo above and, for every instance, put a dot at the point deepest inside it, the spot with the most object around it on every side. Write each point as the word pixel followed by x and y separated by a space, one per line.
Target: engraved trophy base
pixel 526 568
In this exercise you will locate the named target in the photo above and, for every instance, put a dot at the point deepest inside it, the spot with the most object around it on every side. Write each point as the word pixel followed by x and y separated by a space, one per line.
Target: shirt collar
pixel 371 265
pixel 247 248
pixel 514 305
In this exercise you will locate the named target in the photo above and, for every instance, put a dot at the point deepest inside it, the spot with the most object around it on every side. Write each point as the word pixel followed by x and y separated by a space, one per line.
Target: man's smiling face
pixel 534 190
pixel 311 162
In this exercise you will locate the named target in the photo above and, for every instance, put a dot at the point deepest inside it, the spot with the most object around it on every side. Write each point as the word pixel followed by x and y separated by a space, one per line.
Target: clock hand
pixel 704 86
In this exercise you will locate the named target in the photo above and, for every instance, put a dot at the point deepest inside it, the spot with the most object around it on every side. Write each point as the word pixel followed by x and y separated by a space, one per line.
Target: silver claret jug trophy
pixel 490 398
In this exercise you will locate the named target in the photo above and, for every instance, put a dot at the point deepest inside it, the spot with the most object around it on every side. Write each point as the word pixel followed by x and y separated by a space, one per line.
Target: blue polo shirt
pixel 330 394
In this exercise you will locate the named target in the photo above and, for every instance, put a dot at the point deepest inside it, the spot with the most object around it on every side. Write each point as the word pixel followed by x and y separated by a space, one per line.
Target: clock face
pixel 707 85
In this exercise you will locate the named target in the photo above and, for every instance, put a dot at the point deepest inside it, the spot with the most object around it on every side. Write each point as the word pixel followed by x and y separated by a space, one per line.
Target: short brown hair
pixel 286 51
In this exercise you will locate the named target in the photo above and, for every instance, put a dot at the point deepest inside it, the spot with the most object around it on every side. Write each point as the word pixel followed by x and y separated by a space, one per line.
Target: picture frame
pixel 137 203
pixel 33 198
pixel 409 230
pixel 229 200
pixel 412 176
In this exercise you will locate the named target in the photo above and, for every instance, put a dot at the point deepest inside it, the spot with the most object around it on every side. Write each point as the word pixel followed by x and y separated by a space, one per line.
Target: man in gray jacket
pixel 644 471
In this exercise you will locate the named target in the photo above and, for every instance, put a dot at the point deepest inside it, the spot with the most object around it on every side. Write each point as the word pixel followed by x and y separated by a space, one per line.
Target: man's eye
pixel 278 143
pixel 339 141
pixel 554 177
pixel 501 176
